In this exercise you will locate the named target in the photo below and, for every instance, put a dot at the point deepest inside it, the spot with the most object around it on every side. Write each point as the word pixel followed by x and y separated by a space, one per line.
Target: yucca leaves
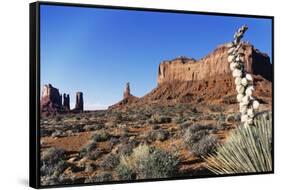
pixel 247 149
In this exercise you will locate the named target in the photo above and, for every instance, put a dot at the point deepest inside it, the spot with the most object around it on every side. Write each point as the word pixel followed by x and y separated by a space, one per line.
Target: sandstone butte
pixel 213 65
pixel 53 102
pixel 207 80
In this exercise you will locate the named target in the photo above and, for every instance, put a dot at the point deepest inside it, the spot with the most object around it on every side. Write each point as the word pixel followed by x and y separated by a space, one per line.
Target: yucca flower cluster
pixel 243 81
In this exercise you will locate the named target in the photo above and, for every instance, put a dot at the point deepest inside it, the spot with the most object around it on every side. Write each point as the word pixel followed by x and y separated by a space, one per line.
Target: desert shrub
pixel 90 168
pixel 155 127
pixel 185 124
pixel 89 147
pixel 114 141
pixel 204 146
pixel 58 133
pixel 102 177
pixel 216 108
pixel 158 119
pixel 92 127
pixel 110 161
pixel 177 120
pixel 230 118
pixel 147 163
pixel 248 149
pixel 125 149
pixel 93 155
pixel 69 133
pixel 45 132
pixel 101 136
pixel 52 155
pixel 160 135
pixel 52 164
pixel 54 169
pixel 199 140
pixel 58 118
pixel 78 128
pixel 223 126
pixel 194 110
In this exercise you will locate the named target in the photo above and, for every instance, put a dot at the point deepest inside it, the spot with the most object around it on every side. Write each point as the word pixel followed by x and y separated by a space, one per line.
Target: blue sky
pixel 97 51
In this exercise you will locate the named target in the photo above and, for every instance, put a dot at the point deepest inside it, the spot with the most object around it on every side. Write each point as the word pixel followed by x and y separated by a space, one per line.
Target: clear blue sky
pixel 97 51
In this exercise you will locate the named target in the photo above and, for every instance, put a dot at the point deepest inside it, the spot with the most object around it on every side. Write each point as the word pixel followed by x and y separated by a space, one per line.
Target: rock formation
pixel 208 80
pixel 127 92
pixel 213 65
pixel 128 98
pixel 66 101
pixel 79 105
pixel 51 100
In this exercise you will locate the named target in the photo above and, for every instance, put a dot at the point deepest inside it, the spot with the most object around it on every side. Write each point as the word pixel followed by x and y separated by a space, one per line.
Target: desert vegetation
pixel 179 129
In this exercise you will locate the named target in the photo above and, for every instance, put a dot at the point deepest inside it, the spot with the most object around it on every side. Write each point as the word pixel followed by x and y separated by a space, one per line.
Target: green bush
pixel 101 136
pixel 89 147
pixel 52 165
pixel 147 163
pixel 110 161
pixel 160 135
pixel 158 119
pixel 199 140
pixel 248 149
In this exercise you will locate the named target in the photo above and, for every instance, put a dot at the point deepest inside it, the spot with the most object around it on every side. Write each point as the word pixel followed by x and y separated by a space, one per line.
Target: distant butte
pixel 213 65
pixel 53 102
pixel 207 80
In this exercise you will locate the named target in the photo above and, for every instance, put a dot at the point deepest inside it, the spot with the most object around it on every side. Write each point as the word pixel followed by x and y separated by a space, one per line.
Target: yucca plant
pixel 248 149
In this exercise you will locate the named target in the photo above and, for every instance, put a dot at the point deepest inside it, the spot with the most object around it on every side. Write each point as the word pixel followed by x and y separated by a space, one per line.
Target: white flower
pixel 230 51
pixel 233 65
pixel 230 58
pixel 239 97
pixel 243 109
pixel 229 45
pixel 244 118
pixel 238 59
pixel 244 82
pixel 256 104
pixel 240 89
pixel 245 100
pixel 249 90
pixel 249 121
pixel 250 113
pixel 249 77
pixel 238 81
pixel 236 73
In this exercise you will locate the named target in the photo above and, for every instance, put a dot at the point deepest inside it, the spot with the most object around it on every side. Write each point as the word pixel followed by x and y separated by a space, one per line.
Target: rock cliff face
pixel 53 102
pixel 66 101
pixel 79 105
pixel 51 99
pixel 208 80
pixel 213 65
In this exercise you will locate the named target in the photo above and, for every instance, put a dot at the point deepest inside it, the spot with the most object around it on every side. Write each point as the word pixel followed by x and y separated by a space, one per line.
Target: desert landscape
pixel 167 133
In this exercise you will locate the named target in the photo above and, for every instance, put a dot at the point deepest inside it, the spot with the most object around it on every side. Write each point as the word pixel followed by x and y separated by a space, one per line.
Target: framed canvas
pixel 126 94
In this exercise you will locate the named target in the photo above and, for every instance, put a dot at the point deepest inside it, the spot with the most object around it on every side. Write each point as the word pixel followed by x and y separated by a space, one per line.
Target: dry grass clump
pixel 199 140
pixel 147 163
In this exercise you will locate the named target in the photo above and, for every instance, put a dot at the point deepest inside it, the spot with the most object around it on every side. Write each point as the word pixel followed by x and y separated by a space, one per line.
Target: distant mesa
pixel 207 80
pixel 53 102
pixel 213 65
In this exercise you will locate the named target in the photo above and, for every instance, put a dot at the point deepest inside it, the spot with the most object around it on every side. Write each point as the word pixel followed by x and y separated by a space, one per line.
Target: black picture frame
pixel 34 89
